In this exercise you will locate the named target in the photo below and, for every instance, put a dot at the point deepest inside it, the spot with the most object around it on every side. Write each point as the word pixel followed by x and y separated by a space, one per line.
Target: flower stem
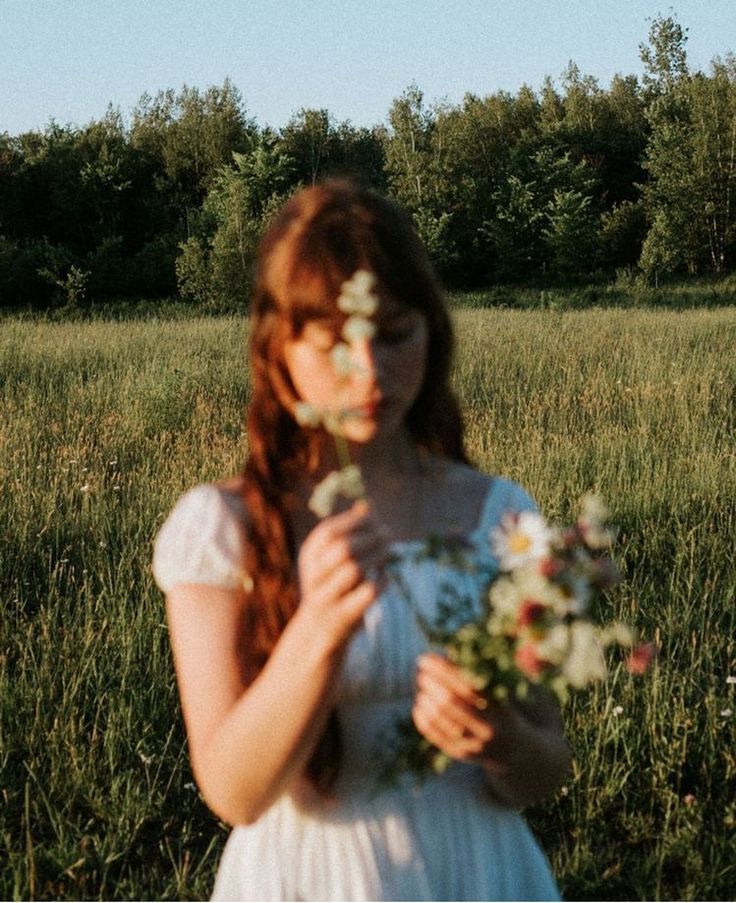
pixel 343 451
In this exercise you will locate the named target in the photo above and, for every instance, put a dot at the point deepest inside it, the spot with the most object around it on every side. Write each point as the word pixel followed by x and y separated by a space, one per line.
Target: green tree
pixel 190 135
pixel 570 233
pixel 664 56
pixel 416 155
pixel 713 128
pixel 409 148
pixel 622 232
pixel 671 191
pixel 308 139
pixel 516 228
pixel 214 265
pixel 545 199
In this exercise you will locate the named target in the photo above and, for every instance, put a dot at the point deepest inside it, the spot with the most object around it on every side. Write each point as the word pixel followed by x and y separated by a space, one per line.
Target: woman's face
pixel 388 373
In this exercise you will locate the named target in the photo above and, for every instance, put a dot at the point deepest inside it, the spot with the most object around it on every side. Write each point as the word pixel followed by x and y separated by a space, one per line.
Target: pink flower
pixel 528 661
pixel 640 658
pixel 551 567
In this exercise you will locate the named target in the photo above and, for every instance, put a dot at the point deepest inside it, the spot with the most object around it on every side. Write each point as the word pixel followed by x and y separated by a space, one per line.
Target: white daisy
pixel 521 539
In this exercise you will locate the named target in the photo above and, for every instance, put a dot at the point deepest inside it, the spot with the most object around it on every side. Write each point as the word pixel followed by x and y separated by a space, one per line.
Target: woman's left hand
pixel 523 750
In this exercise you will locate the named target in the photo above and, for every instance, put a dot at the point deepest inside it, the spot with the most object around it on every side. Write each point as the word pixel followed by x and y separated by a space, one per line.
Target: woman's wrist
pixel 312 640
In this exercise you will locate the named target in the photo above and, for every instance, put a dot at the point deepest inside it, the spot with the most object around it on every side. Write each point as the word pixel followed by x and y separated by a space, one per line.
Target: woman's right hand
pixel 341 573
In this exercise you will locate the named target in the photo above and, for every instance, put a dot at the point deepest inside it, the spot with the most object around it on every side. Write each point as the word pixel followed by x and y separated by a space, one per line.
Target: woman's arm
pixel 247 743
pixel 522 748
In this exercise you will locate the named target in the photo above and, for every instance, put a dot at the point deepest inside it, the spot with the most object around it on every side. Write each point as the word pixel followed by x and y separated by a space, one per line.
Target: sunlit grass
pixel 104 424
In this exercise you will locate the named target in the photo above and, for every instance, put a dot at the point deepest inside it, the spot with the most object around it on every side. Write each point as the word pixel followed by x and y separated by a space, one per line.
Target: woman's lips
pixel 369 410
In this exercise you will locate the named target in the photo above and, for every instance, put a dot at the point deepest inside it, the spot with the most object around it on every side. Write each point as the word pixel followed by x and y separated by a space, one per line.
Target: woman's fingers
pixel 341 568
pixel 353 535
pixel 451 677
pixel 447 708
pixel 346 526
pixel 448 711
pixel 337 581
pixel 450 733
pixel 360 547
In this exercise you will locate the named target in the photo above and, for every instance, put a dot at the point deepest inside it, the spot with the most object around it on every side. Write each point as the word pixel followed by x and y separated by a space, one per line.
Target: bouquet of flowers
pixel 536 628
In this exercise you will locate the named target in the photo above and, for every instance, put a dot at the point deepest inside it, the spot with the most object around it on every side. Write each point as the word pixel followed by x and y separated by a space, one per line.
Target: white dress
pixel 442 840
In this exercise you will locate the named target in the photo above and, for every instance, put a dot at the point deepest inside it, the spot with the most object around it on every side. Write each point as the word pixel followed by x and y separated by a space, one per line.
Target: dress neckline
pixel 472 537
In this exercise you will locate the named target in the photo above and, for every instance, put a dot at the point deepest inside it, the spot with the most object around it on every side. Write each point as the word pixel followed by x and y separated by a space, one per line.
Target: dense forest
pixel 569 182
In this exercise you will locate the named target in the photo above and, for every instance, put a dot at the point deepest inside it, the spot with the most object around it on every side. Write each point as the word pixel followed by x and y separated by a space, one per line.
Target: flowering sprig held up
pixel 359 301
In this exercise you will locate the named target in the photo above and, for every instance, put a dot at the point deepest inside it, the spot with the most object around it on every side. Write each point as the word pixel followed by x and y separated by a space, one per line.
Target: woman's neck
pixel 393 456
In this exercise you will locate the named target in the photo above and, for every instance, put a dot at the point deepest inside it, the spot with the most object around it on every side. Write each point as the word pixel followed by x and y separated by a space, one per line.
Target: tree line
pixel 562 183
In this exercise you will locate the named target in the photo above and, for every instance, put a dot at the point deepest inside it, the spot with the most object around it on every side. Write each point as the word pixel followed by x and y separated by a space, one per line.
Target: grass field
pixel 104 424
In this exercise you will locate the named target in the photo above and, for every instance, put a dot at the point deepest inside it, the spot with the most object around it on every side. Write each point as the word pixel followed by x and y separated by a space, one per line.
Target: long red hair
pixel 315 243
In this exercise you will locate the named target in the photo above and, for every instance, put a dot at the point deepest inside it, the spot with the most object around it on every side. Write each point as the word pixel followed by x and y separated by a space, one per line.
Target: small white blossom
pixel 593 508
pixel 617 634
pixel 342 359
pixel 532 585
pixel 521 539
pixel 726 713
pixel 504 595
pixel 357 328
pixel 86 489
pixel 731 679
pixel 555 645
pixel 345 483
pixel 584 662
pixel 592 523
pixel 357 294
pixel 618 710
pixel 306 414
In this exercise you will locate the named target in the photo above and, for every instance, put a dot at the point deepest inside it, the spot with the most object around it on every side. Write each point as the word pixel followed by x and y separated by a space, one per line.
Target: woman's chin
pixel 363 431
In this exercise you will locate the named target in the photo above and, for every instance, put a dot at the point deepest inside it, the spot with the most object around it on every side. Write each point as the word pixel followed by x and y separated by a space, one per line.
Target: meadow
pixel 104 424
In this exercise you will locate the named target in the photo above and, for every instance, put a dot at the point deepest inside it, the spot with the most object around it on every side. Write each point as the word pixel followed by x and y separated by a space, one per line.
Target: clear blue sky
pixel 67 59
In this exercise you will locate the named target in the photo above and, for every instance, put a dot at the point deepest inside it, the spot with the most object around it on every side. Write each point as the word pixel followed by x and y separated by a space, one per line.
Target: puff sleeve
pixel 202 541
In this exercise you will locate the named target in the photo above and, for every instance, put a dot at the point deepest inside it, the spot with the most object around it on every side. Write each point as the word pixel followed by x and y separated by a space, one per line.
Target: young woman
pixel 294 653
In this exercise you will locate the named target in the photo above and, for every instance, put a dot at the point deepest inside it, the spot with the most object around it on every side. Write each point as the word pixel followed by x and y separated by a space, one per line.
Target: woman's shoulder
pixel 482 498
pixel 493 490
pixel 207 506
pixel 202 539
